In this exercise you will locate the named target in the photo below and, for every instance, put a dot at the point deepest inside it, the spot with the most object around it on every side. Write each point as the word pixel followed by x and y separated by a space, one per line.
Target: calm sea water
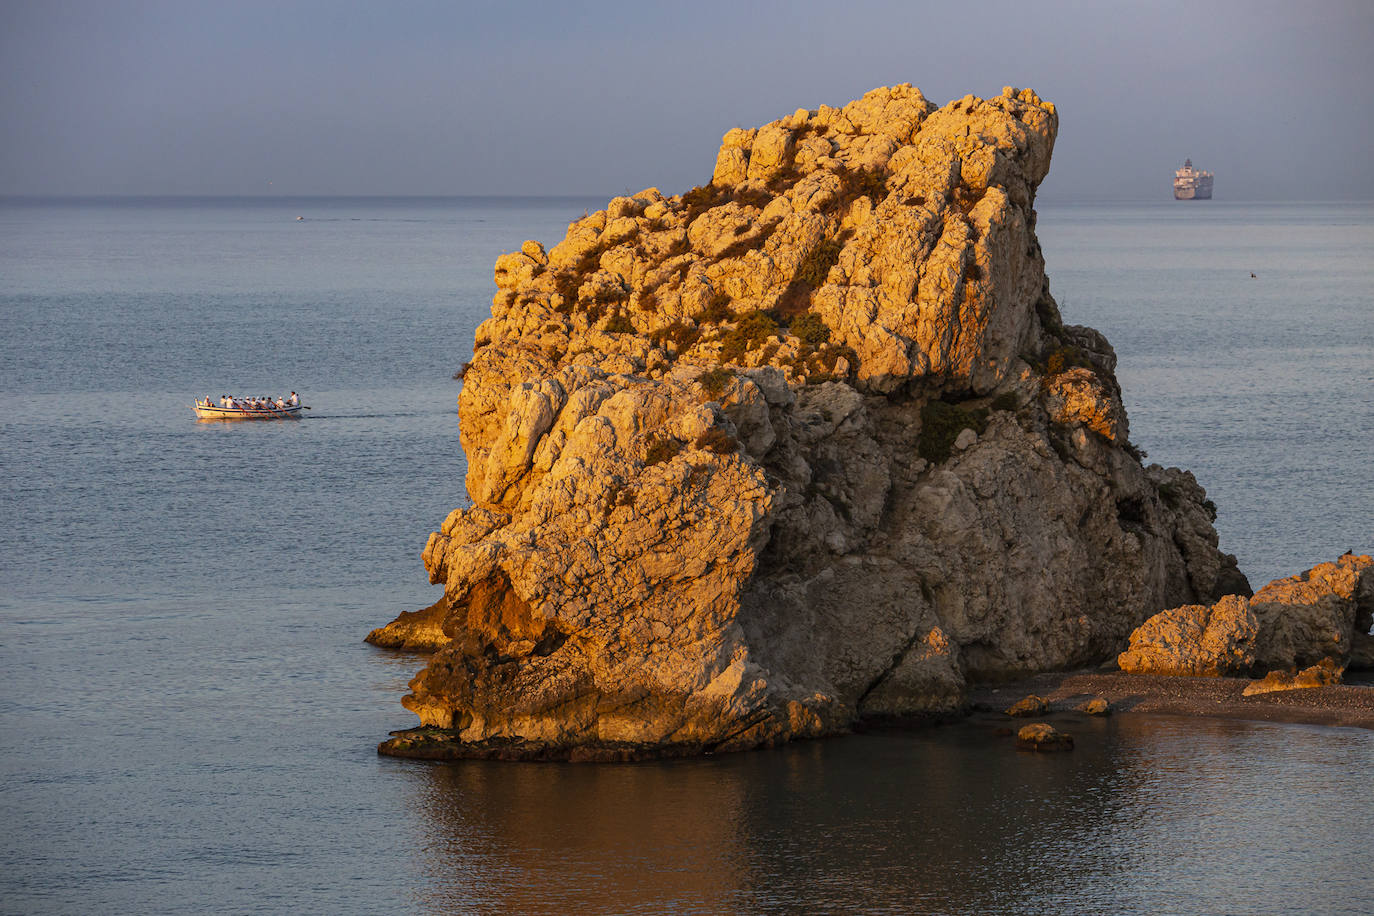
pixel 188 716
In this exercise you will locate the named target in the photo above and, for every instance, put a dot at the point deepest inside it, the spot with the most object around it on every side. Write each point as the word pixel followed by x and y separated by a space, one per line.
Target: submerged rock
pixel 804 445
pixel 1028 706
pixel 1041 736
pixel 1097 706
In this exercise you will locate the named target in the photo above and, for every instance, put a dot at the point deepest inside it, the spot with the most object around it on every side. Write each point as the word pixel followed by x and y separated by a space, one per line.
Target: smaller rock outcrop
pixel 1029 706
pixel 1315 614
pixel 1195 640
pixel 1323 674
pixel 1041 736
pixel 415 631
pixel 1097 706
pixel 1323 613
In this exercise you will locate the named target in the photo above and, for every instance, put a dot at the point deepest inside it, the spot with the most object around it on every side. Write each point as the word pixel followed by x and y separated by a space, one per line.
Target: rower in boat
pixel 249 408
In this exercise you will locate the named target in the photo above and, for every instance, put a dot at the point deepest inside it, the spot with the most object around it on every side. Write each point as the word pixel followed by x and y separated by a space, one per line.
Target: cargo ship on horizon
pixel 1191 183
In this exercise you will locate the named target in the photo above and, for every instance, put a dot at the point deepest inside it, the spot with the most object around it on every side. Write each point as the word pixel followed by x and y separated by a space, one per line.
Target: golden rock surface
pixel 752 462
pixel 1322 614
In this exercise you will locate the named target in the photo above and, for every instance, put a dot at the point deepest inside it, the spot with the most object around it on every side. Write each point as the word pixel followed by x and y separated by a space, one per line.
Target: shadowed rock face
pixel 806 444
pixel 1317 614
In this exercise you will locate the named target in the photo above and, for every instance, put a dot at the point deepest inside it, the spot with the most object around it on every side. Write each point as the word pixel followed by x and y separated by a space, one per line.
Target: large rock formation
pixel 806 444
pixel 1323 614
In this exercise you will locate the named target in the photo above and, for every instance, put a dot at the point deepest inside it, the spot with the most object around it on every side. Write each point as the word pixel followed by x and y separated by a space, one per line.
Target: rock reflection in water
pixel 1148 814
pixel 569 838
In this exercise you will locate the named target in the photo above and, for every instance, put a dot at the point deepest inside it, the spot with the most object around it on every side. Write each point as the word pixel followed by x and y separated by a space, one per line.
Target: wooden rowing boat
pixel 248 413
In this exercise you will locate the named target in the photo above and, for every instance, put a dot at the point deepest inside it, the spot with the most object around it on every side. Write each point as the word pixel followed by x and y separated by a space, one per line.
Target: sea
pixel 189 716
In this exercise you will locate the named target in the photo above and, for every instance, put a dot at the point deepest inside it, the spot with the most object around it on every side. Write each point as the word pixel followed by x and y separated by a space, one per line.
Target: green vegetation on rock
pixel 941 424
pixel 620 323
pixel 1006 401
pixel 715 381
pixel 810 329
pixel 661 450
pixel 679 334
pixel 717 309
pixel 816 266
pixel 752 330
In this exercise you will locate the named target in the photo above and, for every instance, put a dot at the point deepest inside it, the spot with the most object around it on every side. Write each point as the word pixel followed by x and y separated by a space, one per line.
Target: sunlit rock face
pixel 1195 640
pixel 1325 673
pixel 1320 615
pixel 415 631
pixel 806 444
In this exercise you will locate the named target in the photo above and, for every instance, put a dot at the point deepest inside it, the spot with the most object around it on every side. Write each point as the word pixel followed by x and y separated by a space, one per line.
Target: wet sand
pixel 1350 705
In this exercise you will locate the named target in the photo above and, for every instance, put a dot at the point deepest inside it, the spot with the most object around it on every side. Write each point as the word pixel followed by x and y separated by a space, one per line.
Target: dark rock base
pixel 441 744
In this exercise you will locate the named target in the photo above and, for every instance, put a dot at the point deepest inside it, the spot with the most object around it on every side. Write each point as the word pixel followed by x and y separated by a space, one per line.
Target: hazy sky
pixel 281 97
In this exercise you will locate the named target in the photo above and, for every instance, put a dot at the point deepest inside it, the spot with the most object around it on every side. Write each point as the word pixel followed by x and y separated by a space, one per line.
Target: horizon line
pixel 593 195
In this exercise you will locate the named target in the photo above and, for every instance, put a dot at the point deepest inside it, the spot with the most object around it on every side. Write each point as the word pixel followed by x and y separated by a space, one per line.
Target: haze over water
pixel 189 717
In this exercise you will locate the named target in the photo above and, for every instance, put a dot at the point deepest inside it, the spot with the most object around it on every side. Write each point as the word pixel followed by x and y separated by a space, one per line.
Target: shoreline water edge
pixel 1066 696
pixel 1349 705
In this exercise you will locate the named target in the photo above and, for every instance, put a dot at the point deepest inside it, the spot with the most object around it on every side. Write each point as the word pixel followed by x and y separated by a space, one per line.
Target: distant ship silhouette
pixel 1191 183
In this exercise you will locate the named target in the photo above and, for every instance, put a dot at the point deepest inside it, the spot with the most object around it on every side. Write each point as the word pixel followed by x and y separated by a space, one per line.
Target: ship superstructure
pixel 1191 183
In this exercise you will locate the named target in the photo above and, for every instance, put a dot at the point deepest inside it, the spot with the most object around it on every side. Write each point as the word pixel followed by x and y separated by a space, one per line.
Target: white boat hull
pixel 248 413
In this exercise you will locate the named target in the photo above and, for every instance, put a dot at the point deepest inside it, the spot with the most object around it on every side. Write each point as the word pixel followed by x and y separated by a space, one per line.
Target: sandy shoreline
pixel 1347 705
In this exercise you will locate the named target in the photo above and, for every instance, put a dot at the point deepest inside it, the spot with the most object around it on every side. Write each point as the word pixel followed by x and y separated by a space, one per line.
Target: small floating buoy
pixel 1252 275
